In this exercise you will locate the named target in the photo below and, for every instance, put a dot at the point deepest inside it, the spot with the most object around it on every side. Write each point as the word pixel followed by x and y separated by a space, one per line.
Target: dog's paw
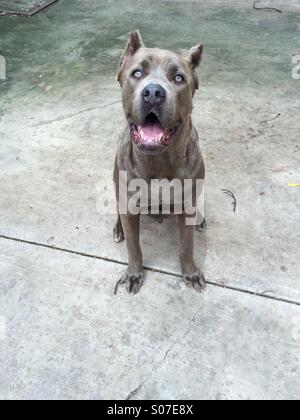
pixel 118 233
pixel 195 281
pixel 133 282
pixel 202 226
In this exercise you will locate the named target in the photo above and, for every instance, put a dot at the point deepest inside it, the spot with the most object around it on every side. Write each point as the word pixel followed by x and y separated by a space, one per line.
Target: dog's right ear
pixel 194 56
pixel 134 44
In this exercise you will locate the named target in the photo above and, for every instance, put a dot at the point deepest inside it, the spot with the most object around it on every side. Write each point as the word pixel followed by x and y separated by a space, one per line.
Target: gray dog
pixel 159 142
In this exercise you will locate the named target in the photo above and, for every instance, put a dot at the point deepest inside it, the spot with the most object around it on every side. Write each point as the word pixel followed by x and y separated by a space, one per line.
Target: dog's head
pixel 157 89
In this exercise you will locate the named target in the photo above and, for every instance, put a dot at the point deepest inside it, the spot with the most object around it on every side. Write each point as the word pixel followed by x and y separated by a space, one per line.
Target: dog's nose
pixel 154 94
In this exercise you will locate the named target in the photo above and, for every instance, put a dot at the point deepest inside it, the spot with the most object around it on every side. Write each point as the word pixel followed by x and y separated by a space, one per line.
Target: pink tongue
pixel 152 131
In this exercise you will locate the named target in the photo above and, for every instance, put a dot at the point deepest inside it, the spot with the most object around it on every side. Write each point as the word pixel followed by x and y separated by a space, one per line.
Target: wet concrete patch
pixel 75 39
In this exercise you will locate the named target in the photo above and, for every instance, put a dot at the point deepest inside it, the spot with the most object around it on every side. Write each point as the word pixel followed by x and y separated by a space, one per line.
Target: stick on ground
pixel 267 9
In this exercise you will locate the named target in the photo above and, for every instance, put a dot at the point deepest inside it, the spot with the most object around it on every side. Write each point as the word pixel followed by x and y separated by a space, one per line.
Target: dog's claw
pixel 133 282
pixel 195 281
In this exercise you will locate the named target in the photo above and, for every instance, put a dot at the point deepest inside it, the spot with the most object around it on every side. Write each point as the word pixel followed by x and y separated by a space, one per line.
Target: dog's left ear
pixel 194 55
pixel 134 44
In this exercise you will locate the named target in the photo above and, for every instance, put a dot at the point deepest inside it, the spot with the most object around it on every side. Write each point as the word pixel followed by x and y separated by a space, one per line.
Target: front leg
pixel 134 276
pixel 192 276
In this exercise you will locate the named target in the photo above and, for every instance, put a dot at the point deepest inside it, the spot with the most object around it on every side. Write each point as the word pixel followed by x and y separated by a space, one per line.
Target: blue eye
pixel 137 74
pixel 179 78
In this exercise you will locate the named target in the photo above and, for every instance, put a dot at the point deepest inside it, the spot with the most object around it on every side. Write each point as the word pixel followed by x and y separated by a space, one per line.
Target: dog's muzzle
pixel 151 137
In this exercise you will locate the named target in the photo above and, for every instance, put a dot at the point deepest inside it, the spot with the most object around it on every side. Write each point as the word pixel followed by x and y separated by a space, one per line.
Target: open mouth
pixel 152 136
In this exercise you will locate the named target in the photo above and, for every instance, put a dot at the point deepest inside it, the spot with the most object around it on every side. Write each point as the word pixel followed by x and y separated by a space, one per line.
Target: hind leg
pixel 118 231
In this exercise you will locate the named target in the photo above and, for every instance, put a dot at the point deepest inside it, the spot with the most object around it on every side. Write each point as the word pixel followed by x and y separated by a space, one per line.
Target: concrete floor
pixel 62 332
pixel 19 5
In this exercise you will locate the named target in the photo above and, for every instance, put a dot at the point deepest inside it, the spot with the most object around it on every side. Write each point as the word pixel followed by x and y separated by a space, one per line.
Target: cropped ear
pixel 134 44
pixel 194 55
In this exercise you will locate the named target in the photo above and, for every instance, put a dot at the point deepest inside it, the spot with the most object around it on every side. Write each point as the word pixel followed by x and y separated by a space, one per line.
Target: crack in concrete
pixel 154 369
pixel 191 323
pixel 155 270
pixel 68 116
pixel 160 363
